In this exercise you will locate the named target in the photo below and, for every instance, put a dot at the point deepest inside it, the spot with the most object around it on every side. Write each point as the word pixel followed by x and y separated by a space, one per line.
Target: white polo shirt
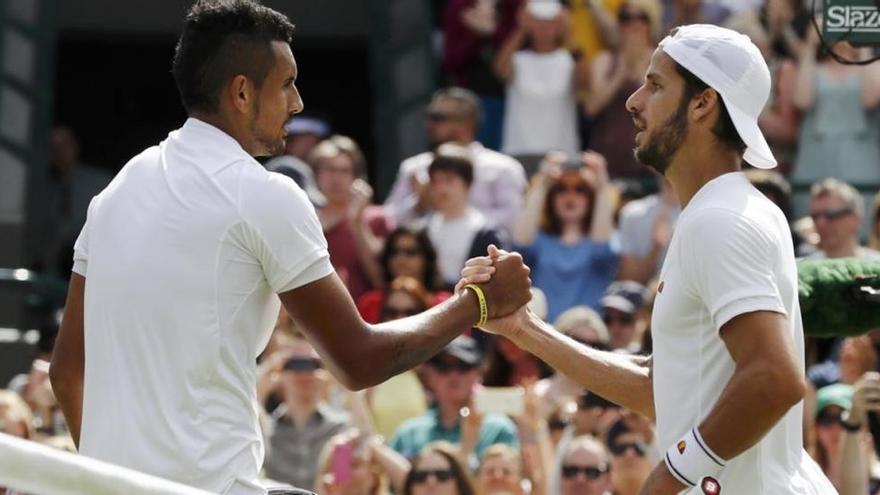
pixel 731 254
pixel 183 254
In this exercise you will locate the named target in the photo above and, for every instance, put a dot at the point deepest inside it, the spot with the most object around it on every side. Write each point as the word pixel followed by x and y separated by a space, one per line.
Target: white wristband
pixel 690 459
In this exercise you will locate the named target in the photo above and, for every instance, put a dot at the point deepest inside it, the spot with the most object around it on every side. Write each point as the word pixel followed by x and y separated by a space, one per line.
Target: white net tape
pixel 35 469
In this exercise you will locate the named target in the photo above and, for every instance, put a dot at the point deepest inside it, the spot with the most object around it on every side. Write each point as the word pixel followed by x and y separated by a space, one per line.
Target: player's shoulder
pixel 261 192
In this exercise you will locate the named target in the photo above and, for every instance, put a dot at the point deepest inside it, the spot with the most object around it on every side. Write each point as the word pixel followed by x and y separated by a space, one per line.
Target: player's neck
pixel 693 167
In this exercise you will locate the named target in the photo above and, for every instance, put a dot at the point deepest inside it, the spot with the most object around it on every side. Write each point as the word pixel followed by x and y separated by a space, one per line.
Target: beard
pixel 662 144
pixel 270 145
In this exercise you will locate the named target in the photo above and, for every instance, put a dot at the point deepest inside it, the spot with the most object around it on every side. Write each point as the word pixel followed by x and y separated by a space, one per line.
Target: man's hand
pixel 508 288
pixel 866 397
pixel 661 482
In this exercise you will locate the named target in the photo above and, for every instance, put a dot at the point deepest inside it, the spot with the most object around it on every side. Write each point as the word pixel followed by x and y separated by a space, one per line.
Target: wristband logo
pixel 682 446
pixel 710 486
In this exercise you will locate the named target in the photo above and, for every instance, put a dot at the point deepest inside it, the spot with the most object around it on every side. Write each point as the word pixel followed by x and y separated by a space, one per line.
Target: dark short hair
pixel 221 39
pixel 467 101
pixel 724 130
pixel 453 158
pixel 431 279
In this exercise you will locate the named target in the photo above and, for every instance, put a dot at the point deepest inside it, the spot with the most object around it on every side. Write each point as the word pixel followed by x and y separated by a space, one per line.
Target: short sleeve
pixel 284 233
pixel 81 246
pixel 733 265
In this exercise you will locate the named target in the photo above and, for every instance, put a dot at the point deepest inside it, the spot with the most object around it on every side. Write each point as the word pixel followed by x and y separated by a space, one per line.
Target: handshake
pixel 505 281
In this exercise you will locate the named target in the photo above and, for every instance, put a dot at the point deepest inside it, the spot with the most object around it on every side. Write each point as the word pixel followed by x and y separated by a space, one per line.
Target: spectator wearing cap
pixel 499 181
pixel 837 210
pixel 831 403
pixel 451 375
pixel 353 227
pixel 646 227
pixel 304 133
pixel 584 325
pixel 457 230
pixel 585 469
pixel 543 76
pixel 303 423
pixel 621 307
pixel 632 455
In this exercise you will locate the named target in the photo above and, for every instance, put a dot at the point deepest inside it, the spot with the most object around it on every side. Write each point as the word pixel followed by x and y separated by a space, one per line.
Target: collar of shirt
pixel 434 414
pixel 212 141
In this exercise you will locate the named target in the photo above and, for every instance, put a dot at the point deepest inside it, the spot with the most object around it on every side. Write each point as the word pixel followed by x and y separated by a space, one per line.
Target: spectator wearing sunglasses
pixel 585 468
pixel 616 74
pixel 565 231
pixel 303 423
pixel 831 403
pixel 451 376
pixel 402 396
pixel 407 253
pixel 630 461
pixel 585 326
pixel 621 308
pixel 438 470
pixel 837 210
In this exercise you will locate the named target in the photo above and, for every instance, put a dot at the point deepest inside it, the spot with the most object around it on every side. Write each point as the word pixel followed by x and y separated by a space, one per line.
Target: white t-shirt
pixel 452 239
pixel 540 110
pixel 731 254
pixel 183 254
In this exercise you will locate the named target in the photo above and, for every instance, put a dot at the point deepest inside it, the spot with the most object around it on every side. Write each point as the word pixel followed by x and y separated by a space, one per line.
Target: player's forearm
pixel 755 399
pixel 622 379
pixel 399 345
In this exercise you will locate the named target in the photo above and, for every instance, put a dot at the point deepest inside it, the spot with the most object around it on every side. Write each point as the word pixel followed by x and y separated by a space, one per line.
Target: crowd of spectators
pixel 530 151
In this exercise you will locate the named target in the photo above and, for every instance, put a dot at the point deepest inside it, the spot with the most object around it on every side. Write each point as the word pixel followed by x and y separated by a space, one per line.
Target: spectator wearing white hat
pixel 542 77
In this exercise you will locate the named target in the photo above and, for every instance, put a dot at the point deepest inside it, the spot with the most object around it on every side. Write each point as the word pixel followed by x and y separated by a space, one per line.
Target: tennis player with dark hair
pixel 726 380
pixel 178 271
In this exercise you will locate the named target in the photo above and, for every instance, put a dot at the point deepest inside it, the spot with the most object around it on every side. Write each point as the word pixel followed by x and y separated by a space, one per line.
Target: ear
pixel 703 105
pixel 242 94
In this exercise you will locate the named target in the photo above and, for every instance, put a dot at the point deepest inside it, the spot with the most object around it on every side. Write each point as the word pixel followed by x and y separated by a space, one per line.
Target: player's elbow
pixel 782 386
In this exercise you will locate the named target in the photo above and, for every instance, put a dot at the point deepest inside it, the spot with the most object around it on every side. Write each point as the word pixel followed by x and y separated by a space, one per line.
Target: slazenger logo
pixel 857 19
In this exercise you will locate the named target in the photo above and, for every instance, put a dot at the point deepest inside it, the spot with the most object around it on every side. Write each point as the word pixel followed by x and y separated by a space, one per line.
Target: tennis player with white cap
pixel 726 381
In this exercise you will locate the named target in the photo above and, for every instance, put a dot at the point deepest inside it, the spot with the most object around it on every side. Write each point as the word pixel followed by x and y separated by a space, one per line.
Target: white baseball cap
pixel 733 66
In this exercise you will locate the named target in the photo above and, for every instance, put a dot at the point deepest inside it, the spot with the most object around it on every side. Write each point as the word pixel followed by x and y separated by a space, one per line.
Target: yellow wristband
pixel 484 307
